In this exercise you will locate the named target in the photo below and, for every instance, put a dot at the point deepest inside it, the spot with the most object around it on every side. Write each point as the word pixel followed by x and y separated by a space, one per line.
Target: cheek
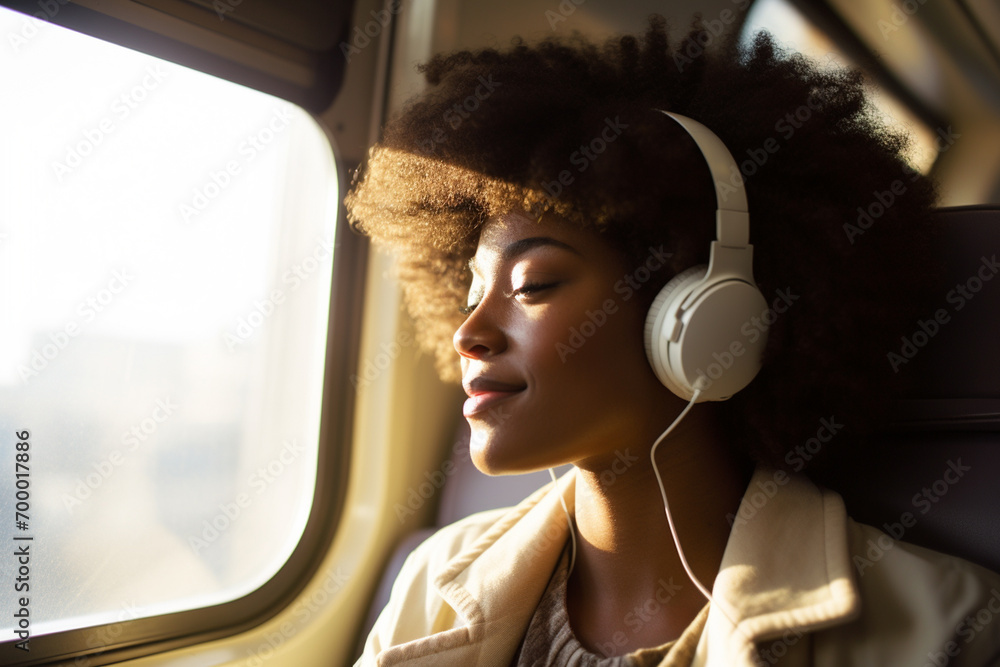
pixel 598 351
pixel 618 354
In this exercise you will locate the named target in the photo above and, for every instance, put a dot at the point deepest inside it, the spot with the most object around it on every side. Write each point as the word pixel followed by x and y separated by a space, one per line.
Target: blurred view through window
pixel 166 243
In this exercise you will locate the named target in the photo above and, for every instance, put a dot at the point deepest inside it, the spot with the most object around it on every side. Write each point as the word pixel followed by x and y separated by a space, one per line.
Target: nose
pixel 481 336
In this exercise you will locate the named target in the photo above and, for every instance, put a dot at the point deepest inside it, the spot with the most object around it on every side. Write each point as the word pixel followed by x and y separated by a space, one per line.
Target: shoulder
pixel 434 553
pixel 918 606
pixel 463 535
pixel 416 608
pixel 415 582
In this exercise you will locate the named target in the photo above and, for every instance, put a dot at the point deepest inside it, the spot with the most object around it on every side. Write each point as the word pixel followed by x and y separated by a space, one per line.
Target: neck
pixel 626 553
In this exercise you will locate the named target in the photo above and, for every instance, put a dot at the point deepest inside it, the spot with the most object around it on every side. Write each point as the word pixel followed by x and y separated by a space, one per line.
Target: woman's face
pixel 552 352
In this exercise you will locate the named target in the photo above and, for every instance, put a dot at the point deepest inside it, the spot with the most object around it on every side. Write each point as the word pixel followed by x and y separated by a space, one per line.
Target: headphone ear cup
pixel 667 301
pixel 704 345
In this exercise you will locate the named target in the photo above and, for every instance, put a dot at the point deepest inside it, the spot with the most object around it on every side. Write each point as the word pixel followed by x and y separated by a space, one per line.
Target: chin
pixel 497 455
pixel 489 456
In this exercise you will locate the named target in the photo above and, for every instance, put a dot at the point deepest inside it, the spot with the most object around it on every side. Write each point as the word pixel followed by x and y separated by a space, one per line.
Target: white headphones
pixel 694 336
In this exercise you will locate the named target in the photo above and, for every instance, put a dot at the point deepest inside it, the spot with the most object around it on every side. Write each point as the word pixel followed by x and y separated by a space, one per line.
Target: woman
pixel 538 199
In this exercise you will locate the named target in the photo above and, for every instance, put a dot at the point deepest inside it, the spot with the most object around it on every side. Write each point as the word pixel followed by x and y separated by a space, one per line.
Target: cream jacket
pixel 803 583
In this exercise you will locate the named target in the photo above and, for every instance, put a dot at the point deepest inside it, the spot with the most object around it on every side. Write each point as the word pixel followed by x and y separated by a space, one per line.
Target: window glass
pixel 166 248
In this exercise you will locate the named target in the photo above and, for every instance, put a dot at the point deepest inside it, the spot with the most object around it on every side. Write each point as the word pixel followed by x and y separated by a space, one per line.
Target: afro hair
pixel 568 126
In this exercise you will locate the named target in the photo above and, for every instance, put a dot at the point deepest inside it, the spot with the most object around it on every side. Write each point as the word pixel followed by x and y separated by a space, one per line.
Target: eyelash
pixel 527 288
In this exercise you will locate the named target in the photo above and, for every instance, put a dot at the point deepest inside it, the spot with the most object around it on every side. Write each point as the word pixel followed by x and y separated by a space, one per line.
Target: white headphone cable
pixel 569 522
pixel 670 519
pixel 663 494
pixel 666 508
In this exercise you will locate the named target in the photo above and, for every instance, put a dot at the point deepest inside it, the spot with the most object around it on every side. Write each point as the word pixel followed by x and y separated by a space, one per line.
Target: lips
pixel 484 393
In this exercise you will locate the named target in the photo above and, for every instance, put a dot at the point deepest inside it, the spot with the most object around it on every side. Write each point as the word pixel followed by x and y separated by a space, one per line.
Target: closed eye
pixel 532 288
pixel 524 290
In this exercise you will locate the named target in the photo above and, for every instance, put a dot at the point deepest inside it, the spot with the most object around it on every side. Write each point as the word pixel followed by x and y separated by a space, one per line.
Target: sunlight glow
pixel 795 32
pixel 166 244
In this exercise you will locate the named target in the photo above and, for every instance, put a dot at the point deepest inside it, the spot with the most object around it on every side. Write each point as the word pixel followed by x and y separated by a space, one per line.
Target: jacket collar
pixel 785 571
pixel 497 583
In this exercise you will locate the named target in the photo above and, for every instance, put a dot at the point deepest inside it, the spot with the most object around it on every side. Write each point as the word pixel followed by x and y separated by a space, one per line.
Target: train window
pixel 166 246
pixel 795 31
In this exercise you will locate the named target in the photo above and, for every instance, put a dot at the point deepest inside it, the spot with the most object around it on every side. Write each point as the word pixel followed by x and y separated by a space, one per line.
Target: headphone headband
pixel 731 221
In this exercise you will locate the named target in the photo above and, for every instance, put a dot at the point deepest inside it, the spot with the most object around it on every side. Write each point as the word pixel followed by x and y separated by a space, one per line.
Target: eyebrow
pixel 521 246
